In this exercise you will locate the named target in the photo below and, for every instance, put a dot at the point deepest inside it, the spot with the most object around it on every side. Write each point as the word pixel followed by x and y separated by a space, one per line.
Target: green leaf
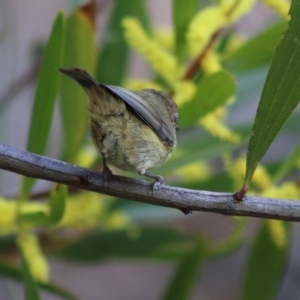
pixel 46 92
pixel 257 51
pixel 79 51
pixel 183 12
pixel 155 243
pixel 265 267
pixel 185 276
pixel 31 290
pixel 287 164
pixel 57 206
pixel 113 57
pixel 9 271
pixel 212 91
pixel 58 203
pixel 280 95
pixel 233 242
pixel 193 139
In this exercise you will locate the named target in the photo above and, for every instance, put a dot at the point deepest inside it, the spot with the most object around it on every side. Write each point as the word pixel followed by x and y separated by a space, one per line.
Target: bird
pixel 132 130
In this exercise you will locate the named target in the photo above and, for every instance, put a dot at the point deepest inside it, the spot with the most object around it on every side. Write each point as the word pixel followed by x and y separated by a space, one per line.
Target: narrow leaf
pixel 10 271
pixel 185 276
pixel 31 290
pixel 58 204
pixel 113 57
pixel 257 51
pixel 183 12
pixel 56 210
pixel 280 95
pixel 193 139
pixel 265 267
pixel 155 243
pixel 46 92
pixel 79 51
pixel 287 164
pixel 212 91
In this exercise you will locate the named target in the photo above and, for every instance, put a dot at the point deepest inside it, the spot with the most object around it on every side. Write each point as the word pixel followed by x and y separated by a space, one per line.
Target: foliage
pixel 202 64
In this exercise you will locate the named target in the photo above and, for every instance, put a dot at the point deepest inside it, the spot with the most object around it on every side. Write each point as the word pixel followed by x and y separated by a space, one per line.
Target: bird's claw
pixel 158 183
pixel 106 172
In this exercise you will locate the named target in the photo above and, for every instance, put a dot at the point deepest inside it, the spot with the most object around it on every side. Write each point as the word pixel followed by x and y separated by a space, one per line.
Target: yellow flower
pixel 287 190
pixel 165 38
pixel 211 122
pixel 8 216
pixel 197 170
pixel 184 91
pixel 87 156
pixel 34 257
pixel 163 62
pixel 117 220
pixel 211 63
pixel 234 10
pixel 278 232
pixel 83 211
pixel 8 208
pixel 235 42
pixel 280 6
pixel 202 26
pixel 237 171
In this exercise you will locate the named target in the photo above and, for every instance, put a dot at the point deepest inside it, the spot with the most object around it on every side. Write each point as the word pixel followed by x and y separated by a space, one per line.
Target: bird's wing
pixel 147 113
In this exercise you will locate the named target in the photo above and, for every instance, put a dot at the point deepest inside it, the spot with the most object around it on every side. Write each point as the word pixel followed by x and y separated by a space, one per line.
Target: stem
pixel 41 167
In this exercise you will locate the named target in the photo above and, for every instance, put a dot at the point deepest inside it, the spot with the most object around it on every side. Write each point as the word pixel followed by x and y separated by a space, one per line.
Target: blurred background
pixel 24 30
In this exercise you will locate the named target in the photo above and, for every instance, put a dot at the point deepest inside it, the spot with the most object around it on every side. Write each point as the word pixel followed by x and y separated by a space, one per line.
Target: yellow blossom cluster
pixel 88 211
pixel 30 246
pixel 212 122
pixel 87 155
pixel 286 190
pixel 211 19
pixel 233 10
pixel 278 232
pixel 237 170
pixel 263 181
pixel 184 91
pixel 165 37
pixel 83 211
pixel 8 223
pixel 197 171
pixel 280 6
pixel 202 26
pixel 211 63
pixel 9 211
pixel 162 61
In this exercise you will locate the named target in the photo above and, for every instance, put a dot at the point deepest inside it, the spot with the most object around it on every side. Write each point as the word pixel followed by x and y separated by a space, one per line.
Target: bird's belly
pixel 135 148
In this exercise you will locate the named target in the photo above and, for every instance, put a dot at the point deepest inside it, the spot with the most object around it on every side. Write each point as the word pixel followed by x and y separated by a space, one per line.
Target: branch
pixel 37 166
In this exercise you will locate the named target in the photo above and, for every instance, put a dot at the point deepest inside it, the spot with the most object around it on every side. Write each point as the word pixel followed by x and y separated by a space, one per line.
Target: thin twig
pixel 196 63
pixel 37 166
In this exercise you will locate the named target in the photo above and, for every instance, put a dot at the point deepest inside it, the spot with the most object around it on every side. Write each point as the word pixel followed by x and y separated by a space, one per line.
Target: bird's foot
pixel 159 181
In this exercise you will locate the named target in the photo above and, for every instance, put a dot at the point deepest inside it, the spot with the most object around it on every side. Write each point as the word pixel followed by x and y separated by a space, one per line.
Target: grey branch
pixel 32 165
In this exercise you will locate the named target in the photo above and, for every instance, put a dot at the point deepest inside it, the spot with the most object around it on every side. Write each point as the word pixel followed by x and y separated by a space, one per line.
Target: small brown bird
pixel 133 130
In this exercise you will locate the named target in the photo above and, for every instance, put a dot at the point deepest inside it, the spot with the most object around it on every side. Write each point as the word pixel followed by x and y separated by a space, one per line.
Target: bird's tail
pixel 79 75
